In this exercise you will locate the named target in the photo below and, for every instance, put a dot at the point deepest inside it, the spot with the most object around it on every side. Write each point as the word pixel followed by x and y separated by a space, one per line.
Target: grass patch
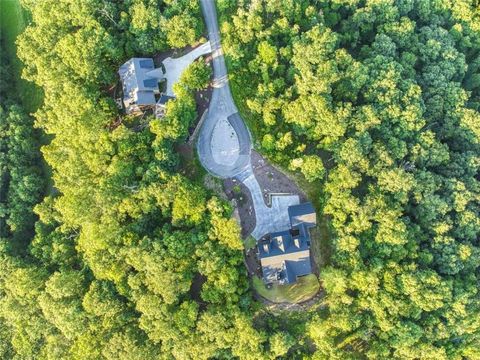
pixel 305 288
pixel 13 20
pixel 238 94
pixel 321 245
pixel 237 190
pixel 249 242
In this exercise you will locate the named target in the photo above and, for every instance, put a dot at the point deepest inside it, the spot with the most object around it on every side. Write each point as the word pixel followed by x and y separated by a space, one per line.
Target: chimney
pixel 296 241
pixel 266 248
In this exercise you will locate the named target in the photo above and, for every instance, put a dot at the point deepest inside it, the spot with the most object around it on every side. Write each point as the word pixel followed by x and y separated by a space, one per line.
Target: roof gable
pixel 138 87
pixel 151 82
pixel 302 214
pixel 146 63
pixel 285 255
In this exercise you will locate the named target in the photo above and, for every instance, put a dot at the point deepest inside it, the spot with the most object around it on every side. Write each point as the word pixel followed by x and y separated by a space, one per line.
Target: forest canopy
pixel 128 259
pixel 386 95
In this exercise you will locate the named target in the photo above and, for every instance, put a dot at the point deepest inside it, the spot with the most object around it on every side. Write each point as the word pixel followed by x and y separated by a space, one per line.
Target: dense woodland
pixel 385 94
pixel 375 102
pixel 21 178
pixel 127 259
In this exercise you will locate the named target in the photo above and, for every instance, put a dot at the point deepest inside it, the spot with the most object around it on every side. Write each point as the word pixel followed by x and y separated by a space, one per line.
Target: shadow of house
pixel 161 105
pixel 285 255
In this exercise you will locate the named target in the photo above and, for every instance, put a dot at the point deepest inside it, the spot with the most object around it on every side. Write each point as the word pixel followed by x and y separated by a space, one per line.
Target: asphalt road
pixel 221 107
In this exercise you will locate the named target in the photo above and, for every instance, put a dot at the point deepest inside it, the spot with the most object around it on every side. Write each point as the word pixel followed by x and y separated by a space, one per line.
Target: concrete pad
pixel 268 219
pixel 275 218
pixel 224 143
pixel 175 67
pixel 280 205
pixel 242 133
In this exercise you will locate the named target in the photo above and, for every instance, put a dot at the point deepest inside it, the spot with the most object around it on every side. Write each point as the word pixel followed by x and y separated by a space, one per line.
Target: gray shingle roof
pixel 146 64
pixel 302 214
pixel 139 87
pixel 285 255
pixel 145 98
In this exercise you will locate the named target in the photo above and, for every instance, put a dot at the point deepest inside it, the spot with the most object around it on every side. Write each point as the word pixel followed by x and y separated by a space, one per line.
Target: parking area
pixel 174 67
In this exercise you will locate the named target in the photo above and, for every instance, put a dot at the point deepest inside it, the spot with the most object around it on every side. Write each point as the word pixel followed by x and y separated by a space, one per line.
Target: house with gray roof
pixel 302 217
pixel 285 255
pixel 140 81
pixel 140 84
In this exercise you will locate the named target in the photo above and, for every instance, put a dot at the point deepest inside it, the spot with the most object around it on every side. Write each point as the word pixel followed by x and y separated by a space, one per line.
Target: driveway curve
pixel 224 144
pixel 221 109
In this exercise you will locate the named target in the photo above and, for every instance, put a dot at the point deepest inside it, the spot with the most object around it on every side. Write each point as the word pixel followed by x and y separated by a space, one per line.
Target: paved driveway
pixel 219 160
pixel 226 153
pixel 268 219
pixel 175 67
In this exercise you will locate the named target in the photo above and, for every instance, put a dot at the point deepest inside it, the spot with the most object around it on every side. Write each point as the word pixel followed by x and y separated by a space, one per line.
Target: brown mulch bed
pixel 196 289
pixel 202 99
pixel 244 204
pixel 252 262
pixel 273 180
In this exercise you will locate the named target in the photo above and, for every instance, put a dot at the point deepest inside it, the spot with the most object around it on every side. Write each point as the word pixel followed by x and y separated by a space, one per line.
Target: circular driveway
pixel 223 143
